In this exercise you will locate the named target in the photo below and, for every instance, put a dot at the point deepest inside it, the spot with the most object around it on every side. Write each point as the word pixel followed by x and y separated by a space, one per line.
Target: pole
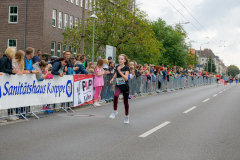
pixel 211 64
pixel 200 58
pixel 93 40
pixel 83 29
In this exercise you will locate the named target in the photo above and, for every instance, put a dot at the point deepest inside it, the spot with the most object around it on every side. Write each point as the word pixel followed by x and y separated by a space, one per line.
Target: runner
pixel 122 72
pixel 236 79
pixel 218 78
pixel 225 80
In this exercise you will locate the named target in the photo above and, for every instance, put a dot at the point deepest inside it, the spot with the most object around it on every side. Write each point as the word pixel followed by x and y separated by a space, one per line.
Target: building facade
pixel 39 23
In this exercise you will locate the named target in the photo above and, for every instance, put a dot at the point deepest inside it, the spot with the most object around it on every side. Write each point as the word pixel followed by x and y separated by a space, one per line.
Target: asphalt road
pixel 200 123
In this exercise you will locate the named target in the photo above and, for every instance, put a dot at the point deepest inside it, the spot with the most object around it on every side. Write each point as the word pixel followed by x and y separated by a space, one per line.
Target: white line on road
pixel 190 109
pixel 154 129
pixel 214 95
pixel 220 92
pixel 224 90
pixel 206 100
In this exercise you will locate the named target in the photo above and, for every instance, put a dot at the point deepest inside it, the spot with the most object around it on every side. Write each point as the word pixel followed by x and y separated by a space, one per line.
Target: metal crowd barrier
pixel 139 86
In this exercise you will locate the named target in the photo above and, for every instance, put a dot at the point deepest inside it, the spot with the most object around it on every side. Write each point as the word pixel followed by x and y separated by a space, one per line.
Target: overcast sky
pixel 219 23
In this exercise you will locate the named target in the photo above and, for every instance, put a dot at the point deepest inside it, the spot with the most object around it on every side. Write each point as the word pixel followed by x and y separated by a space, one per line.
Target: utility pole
pixel 211 63
pixel 83 28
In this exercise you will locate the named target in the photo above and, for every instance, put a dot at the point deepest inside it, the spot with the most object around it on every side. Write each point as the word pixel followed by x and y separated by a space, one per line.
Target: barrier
pixel 23 95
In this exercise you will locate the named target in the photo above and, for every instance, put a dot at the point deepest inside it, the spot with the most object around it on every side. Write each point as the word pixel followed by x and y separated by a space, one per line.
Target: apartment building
pixel 39 23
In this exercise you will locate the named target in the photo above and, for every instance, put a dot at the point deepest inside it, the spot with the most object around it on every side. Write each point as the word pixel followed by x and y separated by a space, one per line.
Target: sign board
pixel 25 90
pixel 111 52
pixel 83 89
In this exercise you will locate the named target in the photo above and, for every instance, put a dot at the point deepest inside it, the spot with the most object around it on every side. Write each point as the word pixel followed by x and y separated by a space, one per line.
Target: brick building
pixel 45 22
pixel 39 23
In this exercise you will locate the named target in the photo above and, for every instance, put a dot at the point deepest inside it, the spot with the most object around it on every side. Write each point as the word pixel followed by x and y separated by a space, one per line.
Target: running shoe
pixel 126 119
pixel 114 113
pixel 96 104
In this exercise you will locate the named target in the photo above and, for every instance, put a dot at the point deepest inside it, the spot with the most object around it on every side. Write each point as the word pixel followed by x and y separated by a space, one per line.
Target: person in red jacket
pixel 218 78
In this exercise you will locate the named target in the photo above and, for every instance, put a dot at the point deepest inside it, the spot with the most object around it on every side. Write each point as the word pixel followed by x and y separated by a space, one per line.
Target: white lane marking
pixel 224 90
pixel 220 92
pixel 190 109
pixel 206 100
pixel 154 129
pixel 214 95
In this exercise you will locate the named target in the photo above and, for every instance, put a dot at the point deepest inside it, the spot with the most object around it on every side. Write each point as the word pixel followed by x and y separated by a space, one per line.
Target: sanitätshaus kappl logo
pixel 69 88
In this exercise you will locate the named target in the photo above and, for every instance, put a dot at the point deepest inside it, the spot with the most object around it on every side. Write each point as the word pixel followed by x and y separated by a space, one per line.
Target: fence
pixel 61 94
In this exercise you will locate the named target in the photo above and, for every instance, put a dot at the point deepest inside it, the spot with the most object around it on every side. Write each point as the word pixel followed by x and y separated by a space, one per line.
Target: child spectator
pixel 98 81
pixel 41 67
pixel 48 69
pixel 90 68
pixel 29 52
pixel 81 69
pixel 132 74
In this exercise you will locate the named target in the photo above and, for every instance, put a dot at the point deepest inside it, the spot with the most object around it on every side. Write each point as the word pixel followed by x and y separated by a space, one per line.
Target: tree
pixel 233 70
pixel 210 67
pixel 192 59
pixel 130 32
pixel 173 40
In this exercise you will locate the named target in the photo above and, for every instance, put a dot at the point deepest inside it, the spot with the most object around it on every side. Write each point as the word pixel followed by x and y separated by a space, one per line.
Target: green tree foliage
pixel 173 40
pixel 233 70
pixel 210 67
pixel 130 32
pixel 192 59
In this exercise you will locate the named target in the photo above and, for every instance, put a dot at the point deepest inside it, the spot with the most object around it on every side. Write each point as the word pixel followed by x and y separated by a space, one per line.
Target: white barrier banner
pixel 83 89
pixel 25 90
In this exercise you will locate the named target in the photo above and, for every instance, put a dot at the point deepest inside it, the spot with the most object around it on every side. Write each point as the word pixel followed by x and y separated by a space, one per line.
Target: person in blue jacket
pixel 79 64
pixel 59 66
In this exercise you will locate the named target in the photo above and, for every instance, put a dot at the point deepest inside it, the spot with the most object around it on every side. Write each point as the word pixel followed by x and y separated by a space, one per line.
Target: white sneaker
pixel 3 120
pixel 96 104
pixel 101 101
pixel 126 119
pixel 113 115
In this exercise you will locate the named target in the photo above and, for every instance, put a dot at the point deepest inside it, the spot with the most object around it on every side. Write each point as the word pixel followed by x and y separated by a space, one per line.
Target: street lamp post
pixel 201 54
pixel 94 17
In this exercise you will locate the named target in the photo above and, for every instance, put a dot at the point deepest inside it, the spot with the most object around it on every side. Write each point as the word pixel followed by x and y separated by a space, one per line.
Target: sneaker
pixel 96 104
pixel 101 101
pixel 114 113
pixel 3 120
pixel 126 119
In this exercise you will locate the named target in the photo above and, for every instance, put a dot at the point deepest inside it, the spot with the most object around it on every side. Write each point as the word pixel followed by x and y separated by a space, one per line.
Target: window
pixel 60 20
pixel 67 0
pixel 53 48
pixel 64 48
pixel 12 43
pixel 77 2
pixel 76 22
pixel 71 22
pixel 70 48
pixel 81 1
pixel 72 1
pixel 202 59
pixel 54 18
pixel 13 14
pixel 86 4
pixel 90 5
pixel 80 21
pixel 59 50
pixel 66 21
pixel 75 51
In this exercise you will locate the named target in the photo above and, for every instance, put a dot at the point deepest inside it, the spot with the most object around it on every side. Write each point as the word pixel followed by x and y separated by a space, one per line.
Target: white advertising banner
pixel 83 89
pixel 24 90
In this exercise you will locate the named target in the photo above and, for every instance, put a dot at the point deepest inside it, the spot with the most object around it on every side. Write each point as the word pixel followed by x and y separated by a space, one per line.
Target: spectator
pixel 90 68
pixel 28 60
pixel 18 62
pixel 75 59
pixel 81 69
pixel 131 64
pixel 105 64
pixel 37 57
pixel 69 68
pixel 41 66
pixel 109 59
pixel 98 81
pixel 132 72
pixel 145 66
pixel 48 69
pixel 58 67
pixel 6 62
